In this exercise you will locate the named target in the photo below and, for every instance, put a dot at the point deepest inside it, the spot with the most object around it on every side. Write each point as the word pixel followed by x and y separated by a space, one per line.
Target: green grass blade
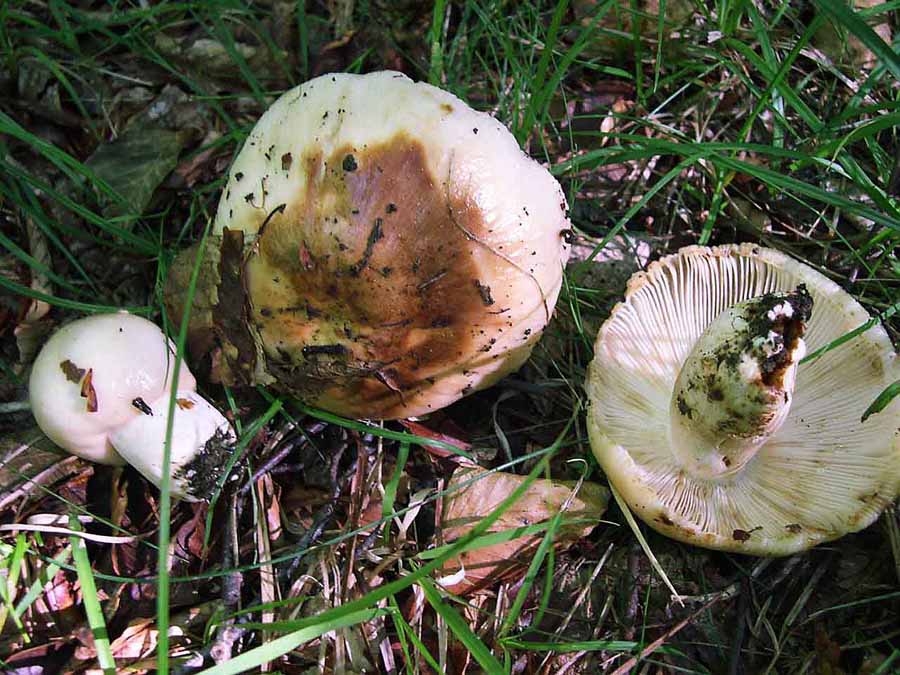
pixel 165 499
pixel 460 628
pixel 435 37
pixel 29 292
pixel 92 608
pixel 248 435
pixel 46 576
pixel 13 561
pixel 884 398
pixel 363 427
pixel 538 81
pixel 390 489
pixel 272 650
pixel 844 16
pixel 856 332
pixel 534 567
pixel 224 36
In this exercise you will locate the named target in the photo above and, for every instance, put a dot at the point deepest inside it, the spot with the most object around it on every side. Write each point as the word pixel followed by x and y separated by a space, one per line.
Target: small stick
pixel 734 659
pixel 661 640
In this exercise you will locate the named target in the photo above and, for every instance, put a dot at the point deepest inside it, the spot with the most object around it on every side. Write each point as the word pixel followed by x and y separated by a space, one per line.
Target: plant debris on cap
pixel 707 423
pixel 380 250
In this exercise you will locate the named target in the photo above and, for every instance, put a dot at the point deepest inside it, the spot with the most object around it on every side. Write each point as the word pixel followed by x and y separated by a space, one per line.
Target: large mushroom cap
pixel 392 249
pixel 819 474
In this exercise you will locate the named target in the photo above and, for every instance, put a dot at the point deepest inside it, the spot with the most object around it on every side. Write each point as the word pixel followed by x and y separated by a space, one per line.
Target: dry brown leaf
pixel 137 641
pixel 88 391
pixel 425 432
pixel 464 508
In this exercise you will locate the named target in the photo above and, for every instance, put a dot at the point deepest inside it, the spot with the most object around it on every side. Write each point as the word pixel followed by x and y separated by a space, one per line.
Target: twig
pixel 269 465
pixel 661 640
pixel 228 633
pixel 740 632
pixel 320 521
pixel 62 469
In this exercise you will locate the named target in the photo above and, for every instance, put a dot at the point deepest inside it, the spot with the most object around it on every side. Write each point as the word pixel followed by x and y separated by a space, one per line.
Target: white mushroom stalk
pixel 735 388
pixel 707 423
pixel 380 250
pixel 100 388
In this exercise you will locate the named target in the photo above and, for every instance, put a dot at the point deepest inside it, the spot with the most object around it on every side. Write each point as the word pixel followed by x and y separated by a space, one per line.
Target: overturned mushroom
pixel 100 388
pixel 380 250
pixel 707 423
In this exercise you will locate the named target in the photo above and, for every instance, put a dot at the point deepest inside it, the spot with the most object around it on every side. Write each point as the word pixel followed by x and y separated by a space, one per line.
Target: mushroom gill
pixel 708 422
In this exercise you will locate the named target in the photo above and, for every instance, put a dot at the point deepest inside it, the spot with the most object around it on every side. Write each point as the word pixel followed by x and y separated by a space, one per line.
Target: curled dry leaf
pixel 425 432
pixel 137 641
pixel 88 391
pixel 465 507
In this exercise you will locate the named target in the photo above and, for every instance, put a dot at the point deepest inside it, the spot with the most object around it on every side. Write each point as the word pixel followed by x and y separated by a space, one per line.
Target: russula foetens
pixel 380 250
pixel 100 388
pixel 707 426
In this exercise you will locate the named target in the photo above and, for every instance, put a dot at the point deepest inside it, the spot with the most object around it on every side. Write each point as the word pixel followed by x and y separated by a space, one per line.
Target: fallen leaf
pixel 194 169
pixel 138 640
pixel 72 372
pixel 134 165
pixel 88 391
pixel 28 463
pixel 465 507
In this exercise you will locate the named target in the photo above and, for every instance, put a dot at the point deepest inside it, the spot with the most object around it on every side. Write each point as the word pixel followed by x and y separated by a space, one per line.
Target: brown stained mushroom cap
pixel 382 249
pixel 807 470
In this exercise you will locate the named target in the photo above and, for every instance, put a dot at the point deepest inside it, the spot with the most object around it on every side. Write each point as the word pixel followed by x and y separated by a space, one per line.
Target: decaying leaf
pixel 464 508
pixel 138 640
pixel 88 391
pixel 72 372
pixel 212 58
pixel 425 432
pixel 28 462
pixel 135 164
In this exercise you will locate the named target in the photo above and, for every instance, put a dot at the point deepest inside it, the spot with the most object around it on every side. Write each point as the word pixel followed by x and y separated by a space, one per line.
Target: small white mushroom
pixel 708 425
pixel 100 388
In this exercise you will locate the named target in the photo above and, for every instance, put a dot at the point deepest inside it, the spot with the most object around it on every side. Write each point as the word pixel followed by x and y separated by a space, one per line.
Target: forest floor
pixel 771 123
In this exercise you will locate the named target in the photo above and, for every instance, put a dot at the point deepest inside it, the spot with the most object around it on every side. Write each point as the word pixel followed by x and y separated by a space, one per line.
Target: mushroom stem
pixel 735 387
pixel 202 441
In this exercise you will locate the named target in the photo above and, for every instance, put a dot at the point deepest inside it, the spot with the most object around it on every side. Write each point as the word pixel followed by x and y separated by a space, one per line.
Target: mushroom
pixel 710 426
pixel 380 250
pixel 100 388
